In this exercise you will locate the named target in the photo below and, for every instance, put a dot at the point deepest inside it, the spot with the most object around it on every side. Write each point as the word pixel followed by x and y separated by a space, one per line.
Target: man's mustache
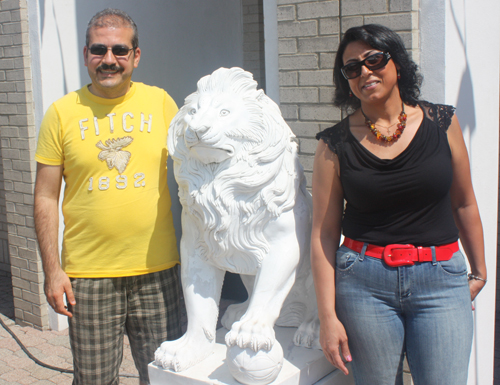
pixel 108 67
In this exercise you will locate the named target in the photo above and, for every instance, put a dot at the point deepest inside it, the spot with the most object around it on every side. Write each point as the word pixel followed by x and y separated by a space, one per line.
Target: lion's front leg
pixel 273 282
pixel 202 285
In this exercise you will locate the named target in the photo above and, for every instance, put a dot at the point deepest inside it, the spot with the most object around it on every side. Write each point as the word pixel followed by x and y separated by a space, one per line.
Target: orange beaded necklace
pixel 390 138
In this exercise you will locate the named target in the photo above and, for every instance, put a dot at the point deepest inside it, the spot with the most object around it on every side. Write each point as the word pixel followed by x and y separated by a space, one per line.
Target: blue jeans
pixel 422 310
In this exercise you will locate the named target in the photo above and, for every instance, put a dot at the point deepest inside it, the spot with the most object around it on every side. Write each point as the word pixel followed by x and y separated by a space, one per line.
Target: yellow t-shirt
pixel 117 209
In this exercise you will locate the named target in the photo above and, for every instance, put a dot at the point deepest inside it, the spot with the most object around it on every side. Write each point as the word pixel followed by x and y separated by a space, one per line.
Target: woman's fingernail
pixel 349 358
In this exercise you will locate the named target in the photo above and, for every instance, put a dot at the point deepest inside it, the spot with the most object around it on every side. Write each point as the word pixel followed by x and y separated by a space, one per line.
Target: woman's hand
pixel 475 286
pixel 333 340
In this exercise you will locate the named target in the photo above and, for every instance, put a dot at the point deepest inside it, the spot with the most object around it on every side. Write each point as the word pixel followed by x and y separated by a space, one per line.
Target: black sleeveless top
pixel 400 200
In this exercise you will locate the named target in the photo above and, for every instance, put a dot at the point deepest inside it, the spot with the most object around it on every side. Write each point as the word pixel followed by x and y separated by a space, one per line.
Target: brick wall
pixel 253 40
pixel 309 33
pixel 17 134
pixel 4 243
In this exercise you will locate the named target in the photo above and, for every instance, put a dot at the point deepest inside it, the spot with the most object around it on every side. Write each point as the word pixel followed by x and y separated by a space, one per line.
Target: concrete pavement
pixel 50 347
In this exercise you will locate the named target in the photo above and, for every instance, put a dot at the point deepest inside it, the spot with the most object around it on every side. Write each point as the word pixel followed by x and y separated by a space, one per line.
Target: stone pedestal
pixel 301 367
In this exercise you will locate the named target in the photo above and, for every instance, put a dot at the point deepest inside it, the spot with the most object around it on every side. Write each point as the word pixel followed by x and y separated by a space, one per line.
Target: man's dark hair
pixel 112 18
pixel 385 40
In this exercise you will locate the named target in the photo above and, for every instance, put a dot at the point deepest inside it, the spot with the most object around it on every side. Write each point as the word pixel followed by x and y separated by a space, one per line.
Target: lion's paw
pixel 255 335
pixel 180 355
pixel 307 335
pixel 233 313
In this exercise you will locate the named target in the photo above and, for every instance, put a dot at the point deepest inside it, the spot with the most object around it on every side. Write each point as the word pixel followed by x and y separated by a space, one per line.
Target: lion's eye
pixel 224 113
pixel 192 111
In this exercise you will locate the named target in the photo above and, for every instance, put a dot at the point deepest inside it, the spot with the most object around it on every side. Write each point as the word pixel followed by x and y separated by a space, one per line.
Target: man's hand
pixel 333 340
pixel 57 284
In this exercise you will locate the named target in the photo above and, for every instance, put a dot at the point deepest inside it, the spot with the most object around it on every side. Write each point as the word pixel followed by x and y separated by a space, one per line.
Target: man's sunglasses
pixel 372 62
pixel 101 50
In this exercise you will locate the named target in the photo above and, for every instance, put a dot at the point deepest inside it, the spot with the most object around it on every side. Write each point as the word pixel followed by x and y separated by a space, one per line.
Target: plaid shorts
pixel 146 306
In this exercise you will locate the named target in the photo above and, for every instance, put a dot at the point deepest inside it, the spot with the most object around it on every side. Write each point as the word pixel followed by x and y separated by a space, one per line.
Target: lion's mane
pixel 233 201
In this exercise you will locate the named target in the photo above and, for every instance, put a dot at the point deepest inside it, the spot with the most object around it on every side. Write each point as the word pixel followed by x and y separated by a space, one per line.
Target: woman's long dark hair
pixel 385 40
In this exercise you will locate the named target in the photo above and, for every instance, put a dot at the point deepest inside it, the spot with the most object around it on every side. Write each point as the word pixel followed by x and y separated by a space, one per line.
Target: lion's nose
pixel 194 134
pixel 200 130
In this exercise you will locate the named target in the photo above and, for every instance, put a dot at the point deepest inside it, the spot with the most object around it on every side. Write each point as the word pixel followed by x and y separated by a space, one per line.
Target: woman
pixel 398 284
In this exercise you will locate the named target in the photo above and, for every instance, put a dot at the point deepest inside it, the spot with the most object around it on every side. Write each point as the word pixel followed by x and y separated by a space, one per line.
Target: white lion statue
pixel 245 210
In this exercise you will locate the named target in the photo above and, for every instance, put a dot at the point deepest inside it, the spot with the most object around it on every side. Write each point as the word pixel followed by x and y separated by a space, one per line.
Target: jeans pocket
pixel 345 258
pixel 455 266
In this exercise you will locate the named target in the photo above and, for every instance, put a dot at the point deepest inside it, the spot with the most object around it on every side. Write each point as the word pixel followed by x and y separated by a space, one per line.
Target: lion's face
pixel 215 126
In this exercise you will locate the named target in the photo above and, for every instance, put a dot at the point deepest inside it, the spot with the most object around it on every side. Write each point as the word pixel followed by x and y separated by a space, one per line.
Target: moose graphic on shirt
pixel 113 154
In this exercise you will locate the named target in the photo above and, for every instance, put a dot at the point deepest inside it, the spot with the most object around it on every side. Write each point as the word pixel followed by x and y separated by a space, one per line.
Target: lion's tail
pixel 292 314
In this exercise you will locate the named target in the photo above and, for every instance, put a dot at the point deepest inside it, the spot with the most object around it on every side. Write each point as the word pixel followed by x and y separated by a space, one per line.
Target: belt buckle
pixel 387 256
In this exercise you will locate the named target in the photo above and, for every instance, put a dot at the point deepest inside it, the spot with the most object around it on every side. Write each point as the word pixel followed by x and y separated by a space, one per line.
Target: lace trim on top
pixel 439 113
pixel 335 136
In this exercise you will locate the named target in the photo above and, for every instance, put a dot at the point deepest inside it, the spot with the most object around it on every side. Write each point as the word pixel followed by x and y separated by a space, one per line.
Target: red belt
pixel 403 255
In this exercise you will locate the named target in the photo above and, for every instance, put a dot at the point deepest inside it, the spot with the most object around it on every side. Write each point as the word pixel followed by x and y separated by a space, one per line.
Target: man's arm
pixel 47 189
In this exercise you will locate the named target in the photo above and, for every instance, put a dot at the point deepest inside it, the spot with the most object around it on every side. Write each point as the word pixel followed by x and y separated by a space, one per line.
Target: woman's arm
pixel 328 202
pixel 465 210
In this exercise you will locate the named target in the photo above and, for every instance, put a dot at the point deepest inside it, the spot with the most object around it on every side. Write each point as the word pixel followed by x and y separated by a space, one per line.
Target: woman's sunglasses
pixel 101 50
pixel 372 62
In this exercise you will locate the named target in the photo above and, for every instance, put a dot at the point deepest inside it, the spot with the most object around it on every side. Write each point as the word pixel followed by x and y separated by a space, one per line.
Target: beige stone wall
pixel 17 134
pixel 309 33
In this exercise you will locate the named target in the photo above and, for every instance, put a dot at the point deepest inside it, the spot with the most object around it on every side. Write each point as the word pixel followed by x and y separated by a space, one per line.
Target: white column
pixel 271 50
pixel 460 63
pixel 55 56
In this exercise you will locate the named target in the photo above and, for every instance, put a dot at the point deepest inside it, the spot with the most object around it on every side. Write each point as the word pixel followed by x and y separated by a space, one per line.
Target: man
pixel 108 141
